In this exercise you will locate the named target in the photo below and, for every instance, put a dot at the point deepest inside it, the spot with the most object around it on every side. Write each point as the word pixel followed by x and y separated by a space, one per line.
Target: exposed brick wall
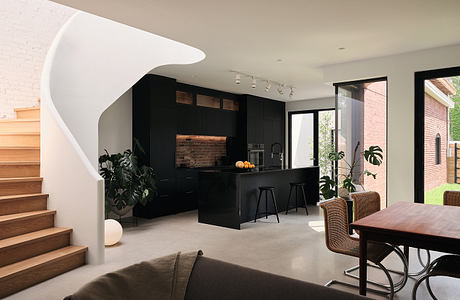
pixel 195 151
pixel 27 28
pixel 435 122
pixel 375 135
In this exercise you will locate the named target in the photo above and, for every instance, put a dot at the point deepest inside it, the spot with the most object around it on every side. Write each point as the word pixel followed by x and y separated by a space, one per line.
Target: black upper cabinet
pixel 189 119
pixel 263 123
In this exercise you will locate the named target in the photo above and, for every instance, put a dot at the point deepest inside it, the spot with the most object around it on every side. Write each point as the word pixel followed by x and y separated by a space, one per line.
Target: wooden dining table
pixel 425 226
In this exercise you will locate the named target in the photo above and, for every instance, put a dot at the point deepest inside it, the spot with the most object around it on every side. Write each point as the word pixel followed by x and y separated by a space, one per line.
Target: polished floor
pixel 294 248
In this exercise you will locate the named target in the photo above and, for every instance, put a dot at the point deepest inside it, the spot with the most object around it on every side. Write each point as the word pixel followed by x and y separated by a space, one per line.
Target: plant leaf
pixel 374 155
pixel 374 175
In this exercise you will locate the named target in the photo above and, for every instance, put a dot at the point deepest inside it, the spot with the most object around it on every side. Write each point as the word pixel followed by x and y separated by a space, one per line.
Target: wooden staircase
pixel 32 250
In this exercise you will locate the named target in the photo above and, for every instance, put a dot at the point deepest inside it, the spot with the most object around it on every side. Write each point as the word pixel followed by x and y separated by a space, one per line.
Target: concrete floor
pixel 294 248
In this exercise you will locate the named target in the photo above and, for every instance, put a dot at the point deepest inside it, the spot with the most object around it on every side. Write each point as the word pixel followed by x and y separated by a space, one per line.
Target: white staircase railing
pixel 90 64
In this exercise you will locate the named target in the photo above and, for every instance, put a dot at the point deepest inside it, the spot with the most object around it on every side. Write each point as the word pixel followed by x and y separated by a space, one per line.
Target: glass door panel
pixel 361 123
pixel 302 140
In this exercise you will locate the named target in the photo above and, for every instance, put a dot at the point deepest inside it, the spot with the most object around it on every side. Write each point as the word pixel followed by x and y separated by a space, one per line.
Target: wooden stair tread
pixel 37 261
pixel 18 120
pixel 27 108
pixel 33 236
pixel 25 215
pixel 19 133
pixel 20 179
pixel 19 147
pixel 19 163
pixel 24 196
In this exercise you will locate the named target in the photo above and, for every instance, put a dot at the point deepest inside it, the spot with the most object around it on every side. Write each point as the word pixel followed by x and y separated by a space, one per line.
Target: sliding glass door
pixel 311 139
pixel 361 123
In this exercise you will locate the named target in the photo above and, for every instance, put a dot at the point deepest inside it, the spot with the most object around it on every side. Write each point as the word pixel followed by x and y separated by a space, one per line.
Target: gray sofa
pixel 213 279
pixel 209 279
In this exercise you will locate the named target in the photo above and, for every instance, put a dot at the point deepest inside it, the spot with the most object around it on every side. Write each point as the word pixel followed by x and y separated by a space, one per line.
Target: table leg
pixel 362 263
pixel 406 253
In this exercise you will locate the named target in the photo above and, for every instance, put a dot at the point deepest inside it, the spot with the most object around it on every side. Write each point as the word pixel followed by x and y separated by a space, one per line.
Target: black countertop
pixel 261 170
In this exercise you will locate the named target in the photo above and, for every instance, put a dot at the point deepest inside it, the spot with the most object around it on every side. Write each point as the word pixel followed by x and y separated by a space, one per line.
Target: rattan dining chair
pixel 446 265
pixel 366 203
pixel 339 241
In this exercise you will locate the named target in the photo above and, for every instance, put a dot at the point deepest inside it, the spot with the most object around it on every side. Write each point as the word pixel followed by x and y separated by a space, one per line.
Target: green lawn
pixel 434 196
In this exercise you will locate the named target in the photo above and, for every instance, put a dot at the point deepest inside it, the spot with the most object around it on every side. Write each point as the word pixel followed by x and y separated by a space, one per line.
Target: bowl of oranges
pixel 244 165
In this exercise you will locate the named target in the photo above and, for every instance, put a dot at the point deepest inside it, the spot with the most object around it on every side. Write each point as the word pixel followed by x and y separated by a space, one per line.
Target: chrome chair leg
pixel 331 282
pixel 425 266
pixel 427 277
pixel 397 286
pixel 390 291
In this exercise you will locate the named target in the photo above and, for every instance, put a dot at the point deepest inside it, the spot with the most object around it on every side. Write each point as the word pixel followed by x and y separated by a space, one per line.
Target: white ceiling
pixel 250 36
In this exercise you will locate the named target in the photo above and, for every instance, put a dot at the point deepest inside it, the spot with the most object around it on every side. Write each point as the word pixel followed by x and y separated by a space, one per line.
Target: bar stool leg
pixel 296 196
pixel 266 205
pixel 257 209
pixel 274 205
pixel 289 199
pixel 304 199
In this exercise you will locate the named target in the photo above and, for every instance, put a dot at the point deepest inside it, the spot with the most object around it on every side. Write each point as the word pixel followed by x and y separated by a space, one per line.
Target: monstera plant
pixel 126 184
pixel 347 178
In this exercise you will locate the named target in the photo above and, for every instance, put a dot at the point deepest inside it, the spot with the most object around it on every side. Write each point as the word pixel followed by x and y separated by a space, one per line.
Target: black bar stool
pixel 267 189
pixel 297 185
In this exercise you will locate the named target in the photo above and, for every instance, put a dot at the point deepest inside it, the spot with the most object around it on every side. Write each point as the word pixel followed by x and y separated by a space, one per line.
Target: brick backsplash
pixel 194 151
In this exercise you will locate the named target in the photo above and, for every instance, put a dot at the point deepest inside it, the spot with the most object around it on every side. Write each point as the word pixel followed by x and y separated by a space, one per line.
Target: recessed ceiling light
pixel 279 60
pixel 253 83
pixel 342 48
pixel 237 78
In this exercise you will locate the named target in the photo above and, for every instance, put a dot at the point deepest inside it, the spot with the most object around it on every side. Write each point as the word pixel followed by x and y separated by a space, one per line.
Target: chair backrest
pixel 452 198
pixel 365 204
pixel 336 224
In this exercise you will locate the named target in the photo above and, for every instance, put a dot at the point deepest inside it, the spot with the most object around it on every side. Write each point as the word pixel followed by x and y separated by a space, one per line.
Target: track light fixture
pixel 269 85
pixel 280 89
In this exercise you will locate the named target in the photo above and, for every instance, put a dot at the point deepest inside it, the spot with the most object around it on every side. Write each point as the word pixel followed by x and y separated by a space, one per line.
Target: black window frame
pixel 419 125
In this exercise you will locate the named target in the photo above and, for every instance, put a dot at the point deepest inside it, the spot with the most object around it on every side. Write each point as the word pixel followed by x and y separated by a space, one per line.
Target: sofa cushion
pixel 213 279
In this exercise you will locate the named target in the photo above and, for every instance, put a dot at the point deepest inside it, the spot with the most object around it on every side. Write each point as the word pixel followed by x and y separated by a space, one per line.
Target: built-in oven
pixel 256 154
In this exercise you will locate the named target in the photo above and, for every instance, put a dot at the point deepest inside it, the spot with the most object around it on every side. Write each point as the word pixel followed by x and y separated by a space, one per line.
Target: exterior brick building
pixel 436 131
pixel 375 135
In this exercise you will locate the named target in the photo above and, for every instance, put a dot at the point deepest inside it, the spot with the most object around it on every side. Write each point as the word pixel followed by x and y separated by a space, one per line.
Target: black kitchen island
pixel 228 197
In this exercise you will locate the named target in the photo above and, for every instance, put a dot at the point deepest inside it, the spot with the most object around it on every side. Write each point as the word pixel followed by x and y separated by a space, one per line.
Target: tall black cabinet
pixel 154 126
pixel 263 122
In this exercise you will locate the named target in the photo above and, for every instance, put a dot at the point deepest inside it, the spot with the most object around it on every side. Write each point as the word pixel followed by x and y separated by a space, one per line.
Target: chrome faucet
pixel 279 153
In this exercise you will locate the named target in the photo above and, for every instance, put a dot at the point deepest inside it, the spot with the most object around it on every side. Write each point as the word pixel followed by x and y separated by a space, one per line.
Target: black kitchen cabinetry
pixel 157 119
pixel 154 126
pixel 263 122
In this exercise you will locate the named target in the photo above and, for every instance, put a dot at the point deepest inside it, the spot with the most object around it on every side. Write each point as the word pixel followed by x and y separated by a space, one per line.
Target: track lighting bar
pixel 280 89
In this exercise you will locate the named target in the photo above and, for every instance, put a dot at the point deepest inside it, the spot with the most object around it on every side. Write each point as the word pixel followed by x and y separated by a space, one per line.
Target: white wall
pixel 27 28
pixel 310 104
pixel 115 125
pixel 115 130
pixel 400 72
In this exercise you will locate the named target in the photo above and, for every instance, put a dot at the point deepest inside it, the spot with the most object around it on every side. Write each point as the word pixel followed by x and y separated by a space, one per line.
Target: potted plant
pixel 348 178
pixel 126 184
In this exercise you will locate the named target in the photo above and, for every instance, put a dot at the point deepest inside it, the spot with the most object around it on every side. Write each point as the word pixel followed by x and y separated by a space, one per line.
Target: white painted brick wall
pixel 27 28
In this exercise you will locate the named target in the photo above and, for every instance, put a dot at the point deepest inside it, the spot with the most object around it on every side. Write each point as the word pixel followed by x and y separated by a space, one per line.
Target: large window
pixel 361 123
pixel 437 134
pixel 311 139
